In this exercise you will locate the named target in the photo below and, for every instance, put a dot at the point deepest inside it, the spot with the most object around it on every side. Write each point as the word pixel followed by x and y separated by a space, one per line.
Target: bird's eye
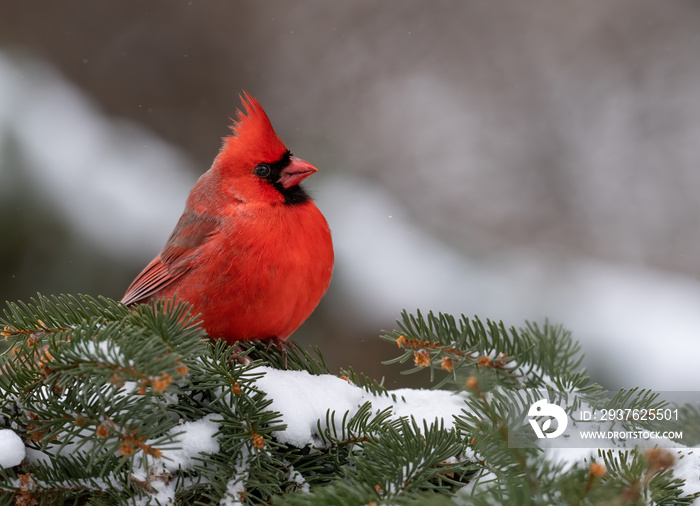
pixel 262 170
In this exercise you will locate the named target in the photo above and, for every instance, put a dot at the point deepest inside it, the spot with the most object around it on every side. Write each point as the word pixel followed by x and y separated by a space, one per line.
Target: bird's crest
pixel 253 138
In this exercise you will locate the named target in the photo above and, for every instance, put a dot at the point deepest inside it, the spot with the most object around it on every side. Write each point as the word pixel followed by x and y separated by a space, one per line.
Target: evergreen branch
pixel 48 314
pixel 106 397
pixel 533 357
pixel 286 356
pixel 362 426
pixel 361 380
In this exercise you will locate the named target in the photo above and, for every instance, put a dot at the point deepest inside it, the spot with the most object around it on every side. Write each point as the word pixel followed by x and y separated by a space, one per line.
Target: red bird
pixel 252 253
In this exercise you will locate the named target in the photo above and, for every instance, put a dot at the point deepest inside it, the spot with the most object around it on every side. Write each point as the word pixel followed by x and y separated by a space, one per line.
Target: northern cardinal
pixel 251 252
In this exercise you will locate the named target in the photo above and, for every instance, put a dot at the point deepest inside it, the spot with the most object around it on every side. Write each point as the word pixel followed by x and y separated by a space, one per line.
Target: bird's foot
pixel 238 356
pixel 281 345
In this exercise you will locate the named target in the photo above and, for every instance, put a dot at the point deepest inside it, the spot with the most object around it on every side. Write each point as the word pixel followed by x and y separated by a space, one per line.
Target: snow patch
pixel 12 451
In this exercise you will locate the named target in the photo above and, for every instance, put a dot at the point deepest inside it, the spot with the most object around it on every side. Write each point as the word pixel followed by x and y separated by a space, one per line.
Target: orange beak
pixel 295 172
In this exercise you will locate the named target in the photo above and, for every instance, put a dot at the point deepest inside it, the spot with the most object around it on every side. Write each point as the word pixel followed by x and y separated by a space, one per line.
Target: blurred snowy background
pixel 514 160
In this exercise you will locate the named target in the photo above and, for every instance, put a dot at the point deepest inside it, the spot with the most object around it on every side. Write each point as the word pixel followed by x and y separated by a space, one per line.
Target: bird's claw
pixel 281 345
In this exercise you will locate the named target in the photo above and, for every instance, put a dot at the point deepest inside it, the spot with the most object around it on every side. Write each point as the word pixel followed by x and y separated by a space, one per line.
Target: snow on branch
pixel 102 403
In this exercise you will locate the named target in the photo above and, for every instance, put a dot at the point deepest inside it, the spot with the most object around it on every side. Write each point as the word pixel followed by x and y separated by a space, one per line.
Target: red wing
pixel 191 231
pixel 151 280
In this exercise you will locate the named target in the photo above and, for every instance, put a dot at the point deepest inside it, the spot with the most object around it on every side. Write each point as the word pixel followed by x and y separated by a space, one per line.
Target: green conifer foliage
pixel 105 399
